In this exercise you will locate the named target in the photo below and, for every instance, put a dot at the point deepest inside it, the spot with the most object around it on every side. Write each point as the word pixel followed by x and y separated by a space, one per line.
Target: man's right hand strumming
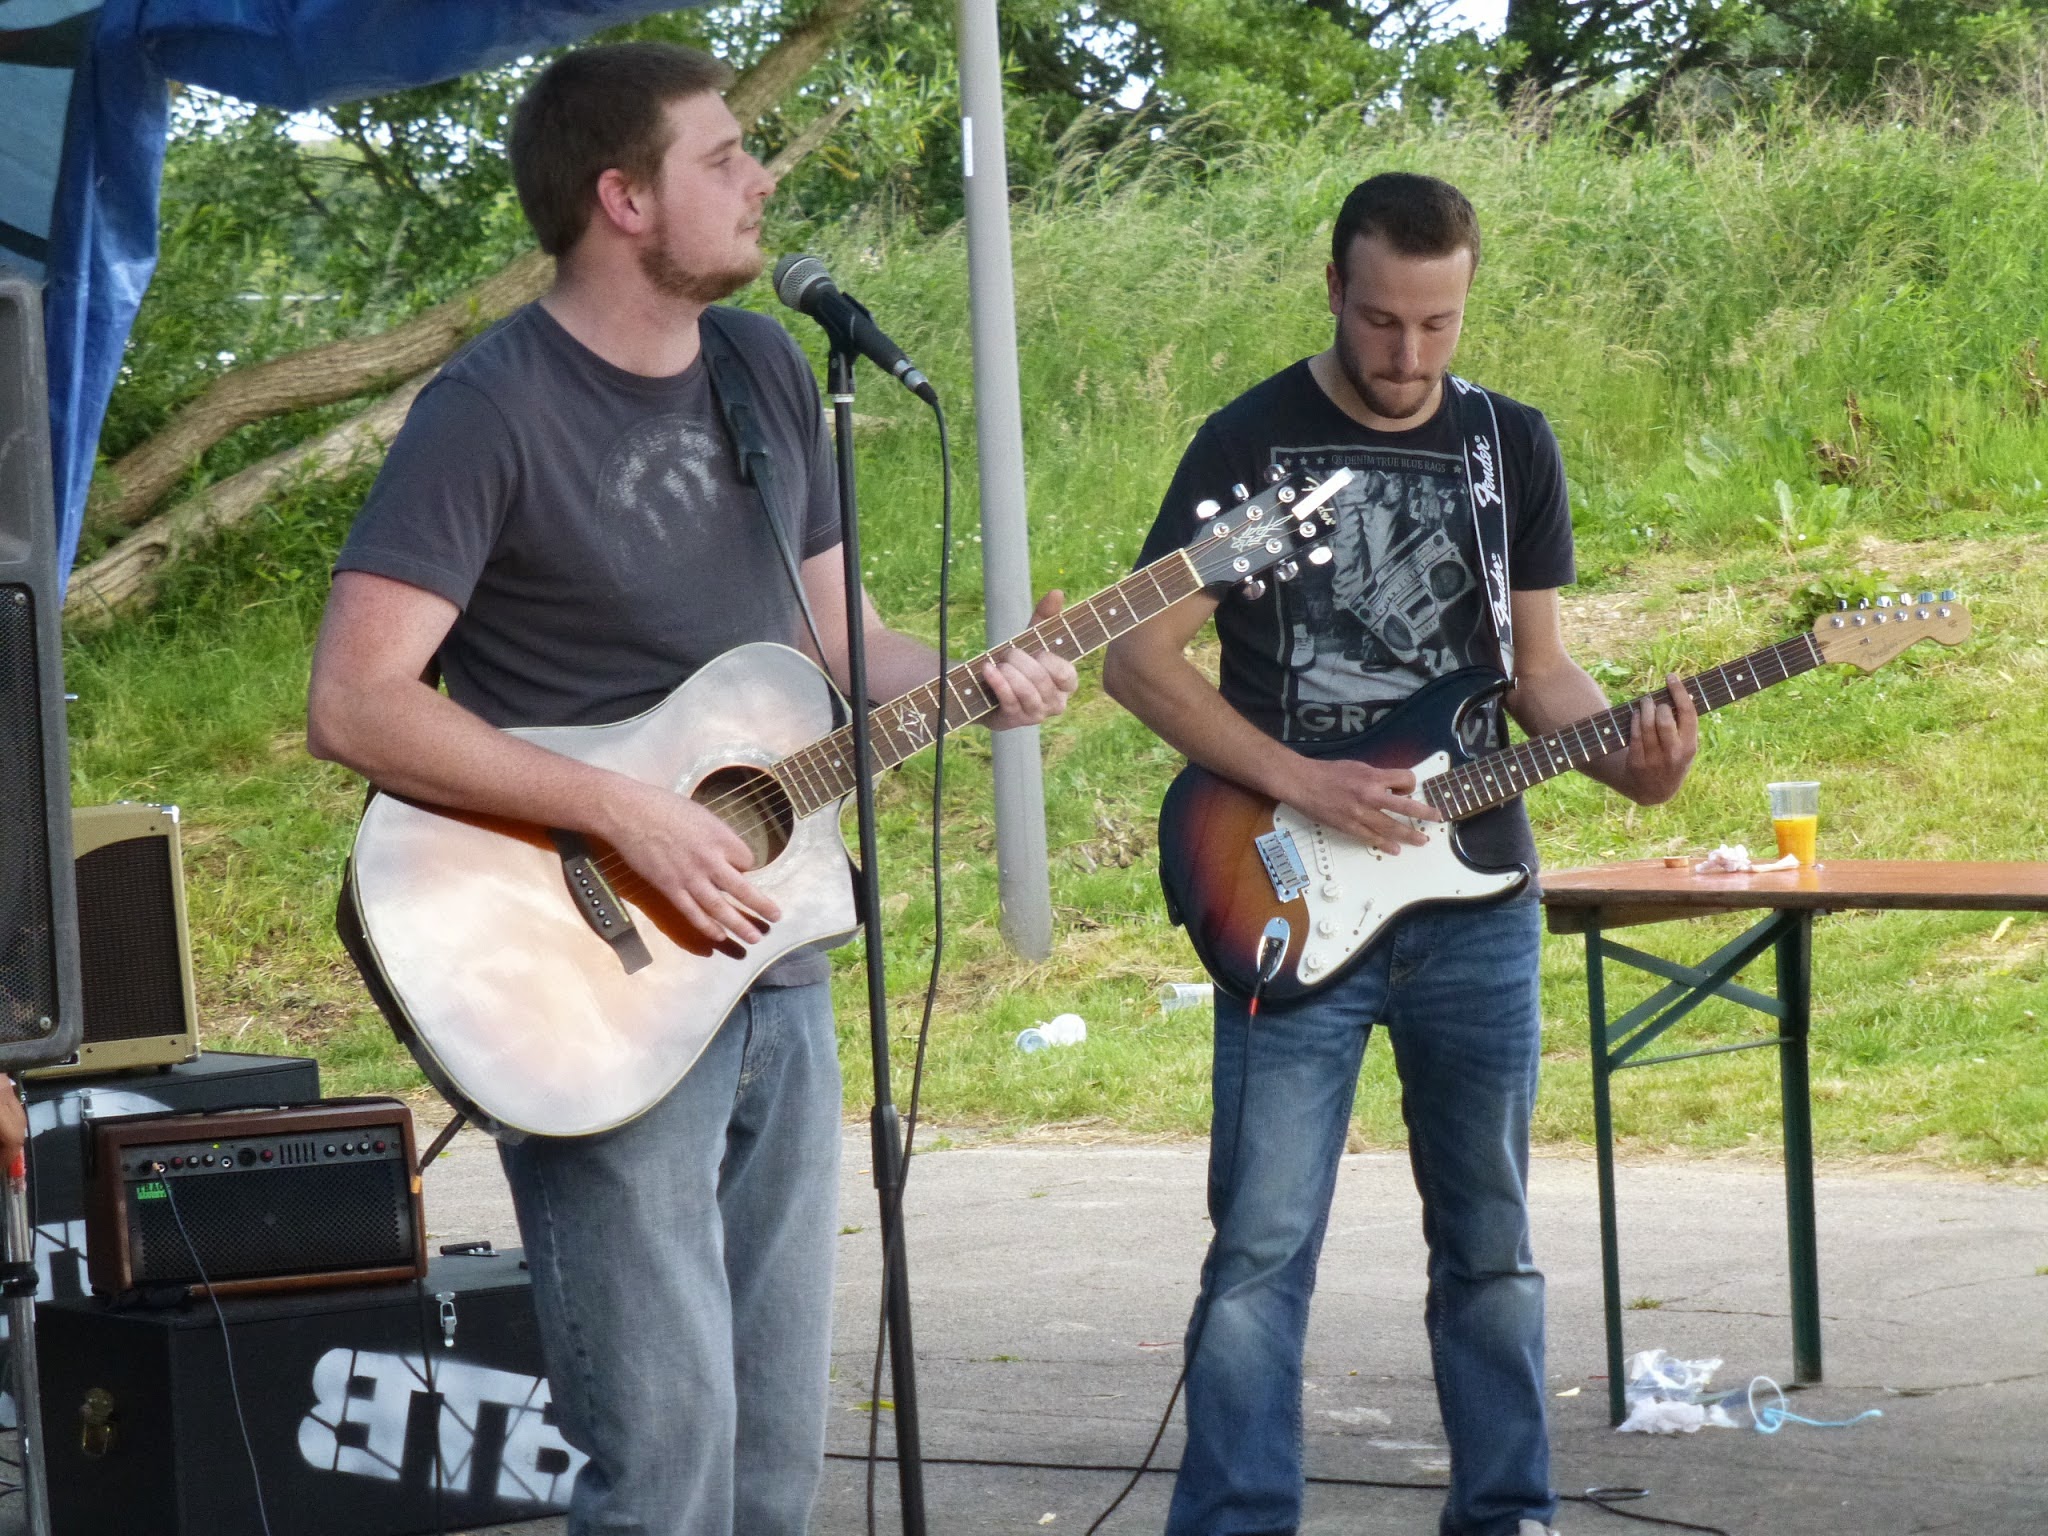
pixel 1359 800
pixel 690 856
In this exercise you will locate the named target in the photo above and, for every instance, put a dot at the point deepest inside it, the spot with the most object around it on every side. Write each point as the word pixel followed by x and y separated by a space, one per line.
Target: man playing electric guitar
pixel 1447 551
pixel 562 526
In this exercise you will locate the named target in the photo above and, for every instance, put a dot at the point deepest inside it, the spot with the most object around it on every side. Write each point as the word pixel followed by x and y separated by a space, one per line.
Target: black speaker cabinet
pixel 254 1200
pixel 352 1398
pixel 39 991
pixel 134 950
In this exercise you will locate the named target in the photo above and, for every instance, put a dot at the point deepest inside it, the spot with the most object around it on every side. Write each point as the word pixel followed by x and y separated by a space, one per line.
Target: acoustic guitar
pixel 546 989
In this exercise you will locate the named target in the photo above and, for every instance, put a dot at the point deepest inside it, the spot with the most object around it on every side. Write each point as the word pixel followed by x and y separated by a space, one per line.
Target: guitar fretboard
pixel 1499 776
pixel 821 773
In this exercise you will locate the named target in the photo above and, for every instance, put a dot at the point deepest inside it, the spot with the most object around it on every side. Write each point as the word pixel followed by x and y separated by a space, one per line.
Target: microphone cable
pixel 226 1346
pixel 1272 950
pixel 893 1198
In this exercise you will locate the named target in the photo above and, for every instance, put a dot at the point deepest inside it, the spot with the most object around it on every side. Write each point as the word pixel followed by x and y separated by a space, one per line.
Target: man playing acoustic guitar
pixel 1446 552
pixel 562 529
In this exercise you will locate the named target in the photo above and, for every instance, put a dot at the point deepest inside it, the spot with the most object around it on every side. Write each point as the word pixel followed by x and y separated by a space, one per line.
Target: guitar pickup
pixel 598 903
pixel 1283 863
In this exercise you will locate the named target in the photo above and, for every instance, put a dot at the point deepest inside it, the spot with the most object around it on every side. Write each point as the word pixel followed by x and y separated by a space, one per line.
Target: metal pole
pixel 1021 879
pixel 1795 995
pixel 1603 1148
pixel 21 1352
pixel 884 1127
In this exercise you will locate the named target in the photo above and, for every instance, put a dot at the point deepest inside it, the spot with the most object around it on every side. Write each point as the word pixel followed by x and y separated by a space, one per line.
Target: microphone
pixel 1273 947
pixel 802 283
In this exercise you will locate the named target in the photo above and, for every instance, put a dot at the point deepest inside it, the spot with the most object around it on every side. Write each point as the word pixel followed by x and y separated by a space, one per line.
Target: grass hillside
pixel 1788 359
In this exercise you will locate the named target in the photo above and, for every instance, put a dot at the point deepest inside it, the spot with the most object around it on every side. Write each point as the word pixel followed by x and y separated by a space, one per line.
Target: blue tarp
pixel 88 214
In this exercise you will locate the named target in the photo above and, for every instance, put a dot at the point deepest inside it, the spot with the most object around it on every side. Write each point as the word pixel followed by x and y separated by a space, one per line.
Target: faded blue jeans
pixel 682 1275
pixel 1456 990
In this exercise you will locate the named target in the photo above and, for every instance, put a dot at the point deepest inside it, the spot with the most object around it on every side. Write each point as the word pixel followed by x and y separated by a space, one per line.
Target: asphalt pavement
pixel 1050 1285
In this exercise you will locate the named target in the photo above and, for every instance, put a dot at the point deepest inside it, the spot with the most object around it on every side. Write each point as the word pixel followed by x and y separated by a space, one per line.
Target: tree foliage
pixel 281 233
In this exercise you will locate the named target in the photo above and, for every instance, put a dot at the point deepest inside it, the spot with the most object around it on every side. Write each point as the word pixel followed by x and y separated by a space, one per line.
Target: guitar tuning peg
pixel 1841 604
pixel 1926 597
pixel 1862 602
pixel 1240 492
pixel 1275 474
pixel 1253 590
pixel 1287 570
pixel 1207 508
pixel 1322 554
pixel 1948 594
pixel 1884 602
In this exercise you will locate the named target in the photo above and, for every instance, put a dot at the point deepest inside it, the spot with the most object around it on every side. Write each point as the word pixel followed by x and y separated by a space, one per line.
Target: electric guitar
pixel 1232 860
pixel 545 988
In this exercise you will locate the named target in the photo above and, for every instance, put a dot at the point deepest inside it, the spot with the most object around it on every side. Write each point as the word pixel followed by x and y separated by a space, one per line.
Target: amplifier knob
pixel 268 1154
pixel 380 1146
pixel 177 1162
pixel 330 1149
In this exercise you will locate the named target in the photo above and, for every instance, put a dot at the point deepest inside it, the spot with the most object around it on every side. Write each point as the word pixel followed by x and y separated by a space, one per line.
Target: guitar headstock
pixel 1279 527
pixel 1869 636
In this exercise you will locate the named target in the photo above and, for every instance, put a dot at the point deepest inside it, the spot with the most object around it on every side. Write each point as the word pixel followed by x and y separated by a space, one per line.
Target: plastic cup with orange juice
pixel 1795 817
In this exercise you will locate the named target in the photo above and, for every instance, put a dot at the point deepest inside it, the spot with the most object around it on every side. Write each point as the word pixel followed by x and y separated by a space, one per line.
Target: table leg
pixel 1603 1146
pixel 1795 993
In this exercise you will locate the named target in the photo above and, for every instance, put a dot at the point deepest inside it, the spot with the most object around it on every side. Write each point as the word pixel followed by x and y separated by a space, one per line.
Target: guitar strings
pixel 1488 781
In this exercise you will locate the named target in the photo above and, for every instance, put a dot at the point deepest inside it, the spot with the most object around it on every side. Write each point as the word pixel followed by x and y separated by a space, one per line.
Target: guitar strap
pixel 1485 484
pixel 733 387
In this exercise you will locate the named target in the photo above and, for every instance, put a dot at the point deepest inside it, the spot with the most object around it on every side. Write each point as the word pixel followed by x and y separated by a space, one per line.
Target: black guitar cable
pixel 226 1345
pixel 893 1198
pixel 1272 950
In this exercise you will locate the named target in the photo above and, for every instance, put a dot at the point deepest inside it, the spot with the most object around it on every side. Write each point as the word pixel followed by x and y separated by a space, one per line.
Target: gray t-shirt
pixel 591 524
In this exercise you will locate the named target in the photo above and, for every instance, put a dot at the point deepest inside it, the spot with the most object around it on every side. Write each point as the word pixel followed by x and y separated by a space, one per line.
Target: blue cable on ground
pixel 1771 1418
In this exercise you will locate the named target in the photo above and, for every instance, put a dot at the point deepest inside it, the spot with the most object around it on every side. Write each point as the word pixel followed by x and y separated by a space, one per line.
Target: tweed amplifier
pixel 134 952
pixel 254 1200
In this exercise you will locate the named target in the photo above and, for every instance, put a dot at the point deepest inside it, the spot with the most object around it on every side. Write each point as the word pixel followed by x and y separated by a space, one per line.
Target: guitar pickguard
pixel 1353 890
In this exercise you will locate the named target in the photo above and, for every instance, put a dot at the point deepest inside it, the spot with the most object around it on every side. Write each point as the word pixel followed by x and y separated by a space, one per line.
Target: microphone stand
pixel 884 1126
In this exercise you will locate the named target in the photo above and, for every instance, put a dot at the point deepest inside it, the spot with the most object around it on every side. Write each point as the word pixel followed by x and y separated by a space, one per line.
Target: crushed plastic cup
pixel 1063 1029
pixel 1185 994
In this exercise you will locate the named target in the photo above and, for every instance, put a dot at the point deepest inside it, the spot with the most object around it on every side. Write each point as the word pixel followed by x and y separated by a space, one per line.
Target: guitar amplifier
pixel 254 1200
pixel 134 953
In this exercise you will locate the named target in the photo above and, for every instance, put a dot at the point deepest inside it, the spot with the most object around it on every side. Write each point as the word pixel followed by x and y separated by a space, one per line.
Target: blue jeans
pixel 1457 991
pixel 682 1275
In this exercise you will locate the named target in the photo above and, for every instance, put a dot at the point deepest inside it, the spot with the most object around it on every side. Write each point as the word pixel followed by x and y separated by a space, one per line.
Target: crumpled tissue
pixel 1663 1395
pixel 1734 859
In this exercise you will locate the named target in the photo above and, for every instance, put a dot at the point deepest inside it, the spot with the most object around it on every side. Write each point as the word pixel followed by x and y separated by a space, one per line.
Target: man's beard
pixel 1368 390
pixel 672 281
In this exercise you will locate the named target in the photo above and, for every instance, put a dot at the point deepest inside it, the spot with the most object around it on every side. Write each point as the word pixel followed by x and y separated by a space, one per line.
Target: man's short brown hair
pixel 595 110
pixel 1416 215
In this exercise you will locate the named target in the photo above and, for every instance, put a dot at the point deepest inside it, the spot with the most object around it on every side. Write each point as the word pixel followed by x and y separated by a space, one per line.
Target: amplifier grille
pixel 130 952
pixel 268 1221
pixel 28 949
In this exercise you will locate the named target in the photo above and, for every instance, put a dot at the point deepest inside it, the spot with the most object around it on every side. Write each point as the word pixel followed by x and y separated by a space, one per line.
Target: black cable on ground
pixel 1605 1499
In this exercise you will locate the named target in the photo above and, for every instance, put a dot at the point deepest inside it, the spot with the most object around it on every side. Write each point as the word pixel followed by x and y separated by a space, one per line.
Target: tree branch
pixel 127 576
pixel 125 493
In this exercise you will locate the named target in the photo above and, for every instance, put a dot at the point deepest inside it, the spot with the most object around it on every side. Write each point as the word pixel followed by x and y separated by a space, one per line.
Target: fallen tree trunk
pixel 126 491
pixel 127 576
pixel 320 375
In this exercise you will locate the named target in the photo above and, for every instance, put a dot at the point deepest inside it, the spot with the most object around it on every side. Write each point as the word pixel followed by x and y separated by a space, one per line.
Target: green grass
pixel 1781 356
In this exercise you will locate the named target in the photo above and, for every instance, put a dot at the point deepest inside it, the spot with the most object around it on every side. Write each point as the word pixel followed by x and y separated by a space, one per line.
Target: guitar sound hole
pixel 754 804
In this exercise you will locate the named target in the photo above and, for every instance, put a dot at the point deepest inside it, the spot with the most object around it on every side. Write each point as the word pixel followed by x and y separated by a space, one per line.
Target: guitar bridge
pixel 1283 863
pixel 598 903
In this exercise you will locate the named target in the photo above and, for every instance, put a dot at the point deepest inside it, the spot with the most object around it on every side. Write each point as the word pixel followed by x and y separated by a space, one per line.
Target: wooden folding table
pixel 1597 900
